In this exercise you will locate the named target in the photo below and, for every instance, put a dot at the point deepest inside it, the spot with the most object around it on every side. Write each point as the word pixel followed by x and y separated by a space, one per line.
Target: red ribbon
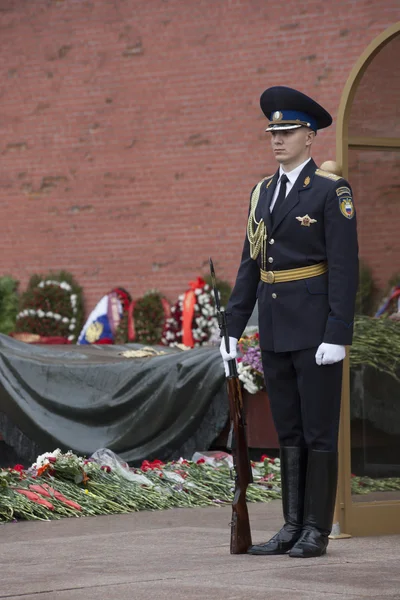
pixel 131 322
pixel 189 301
pixel 187 317
pixel 199 283
pixel 166 308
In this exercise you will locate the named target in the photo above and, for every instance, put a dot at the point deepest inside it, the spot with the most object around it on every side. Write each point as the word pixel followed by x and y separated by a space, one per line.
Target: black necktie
pixel 280 198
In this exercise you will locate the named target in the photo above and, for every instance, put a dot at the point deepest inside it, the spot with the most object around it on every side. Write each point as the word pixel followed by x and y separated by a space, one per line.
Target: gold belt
pixel 293 274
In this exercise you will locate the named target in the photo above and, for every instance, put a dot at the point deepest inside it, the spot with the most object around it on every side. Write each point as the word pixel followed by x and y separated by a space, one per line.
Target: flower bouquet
pixel 250 369
pixel 63 485
pixel 66 485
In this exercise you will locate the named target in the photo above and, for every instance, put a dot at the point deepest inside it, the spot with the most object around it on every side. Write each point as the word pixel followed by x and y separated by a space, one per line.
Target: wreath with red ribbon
pixel 193 321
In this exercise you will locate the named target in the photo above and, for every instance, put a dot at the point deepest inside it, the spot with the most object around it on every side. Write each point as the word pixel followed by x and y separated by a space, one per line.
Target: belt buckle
pixel 270 277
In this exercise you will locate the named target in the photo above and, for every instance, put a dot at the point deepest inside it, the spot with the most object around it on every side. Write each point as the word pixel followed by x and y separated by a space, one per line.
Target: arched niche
pixel 368 153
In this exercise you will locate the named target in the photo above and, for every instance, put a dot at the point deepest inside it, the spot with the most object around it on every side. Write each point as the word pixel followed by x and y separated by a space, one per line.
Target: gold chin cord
pixel 256 230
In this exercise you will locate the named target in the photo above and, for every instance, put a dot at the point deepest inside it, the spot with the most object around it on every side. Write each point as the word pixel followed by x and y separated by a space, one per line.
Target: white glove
pixel 232 352
pixel 328 354
pixel 232 349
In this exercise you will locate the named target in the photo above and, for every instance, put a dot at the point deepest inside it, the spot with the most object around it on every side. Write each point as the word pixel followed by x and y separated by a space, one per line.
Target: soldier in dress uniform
pixel 300 260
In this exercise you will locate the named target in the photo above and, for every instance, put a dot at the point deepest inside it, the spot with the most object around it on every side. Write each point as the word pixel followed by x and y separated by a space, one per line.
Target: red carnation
pixel 19 468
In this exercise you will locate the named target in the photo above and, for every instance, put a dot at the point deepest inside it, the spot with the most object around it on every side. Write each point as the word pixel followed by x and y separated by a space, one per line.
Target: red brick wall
pixel 131 134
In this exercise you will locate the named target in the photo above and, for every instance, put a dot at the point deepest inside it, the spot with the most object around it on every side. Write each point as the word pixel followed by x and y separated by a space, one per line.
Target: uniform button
pixel 274 295
pixel 270 260
pixel 272 241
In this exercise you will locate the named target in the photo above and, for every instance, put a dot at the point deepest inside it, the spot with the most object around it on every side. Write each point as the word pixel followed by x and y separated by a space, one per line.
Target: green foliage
pixel 121 334
pixel 366 294
pixel 8 304
pixel 149 315
pixel 64 303
pixel 376 343
pixel 224 288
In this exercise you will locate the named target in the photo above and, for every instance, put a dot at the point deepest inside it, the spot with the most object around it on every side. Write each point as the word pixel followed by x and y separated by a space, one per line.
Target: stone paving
pixel 183 554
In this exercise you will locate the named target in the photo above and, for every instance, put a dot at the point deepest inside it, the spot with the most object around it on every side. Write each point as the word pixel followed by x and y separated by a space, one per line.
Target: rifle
pixel 237 443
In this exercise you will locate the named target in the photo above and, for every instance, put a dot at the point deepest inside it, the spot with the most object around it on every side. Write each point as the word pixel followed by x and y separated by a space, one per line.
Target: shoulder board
pixel 328 175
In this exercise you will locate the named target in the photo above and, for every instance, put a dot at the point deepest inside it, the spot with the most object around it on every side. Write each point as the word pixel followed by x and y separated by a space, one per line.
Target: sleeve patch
pixel 346 207
pixel 343 191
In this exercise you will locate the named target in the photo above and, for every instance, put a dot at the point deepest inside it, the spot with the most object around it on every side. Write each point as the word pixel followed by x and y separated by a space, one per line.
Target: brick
pixel 131 133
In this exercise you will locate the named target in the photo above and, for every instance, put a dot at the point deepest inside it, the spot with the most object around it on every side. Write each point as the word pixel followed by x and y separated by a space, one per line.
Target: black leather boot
pixel 293 478
pixel 319 505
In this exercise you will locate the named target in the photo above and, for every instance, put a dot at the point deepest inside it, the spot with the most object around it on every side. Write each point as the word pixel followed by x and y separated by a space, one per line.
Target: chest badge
pixel 306 220
pixel 306 181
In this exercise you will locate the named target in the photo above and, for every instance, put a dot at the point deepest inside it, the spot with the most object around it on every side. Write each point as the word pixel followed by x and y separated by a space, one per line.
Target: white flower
pixel 57 316
pixel 71 327
pixel 49 314
pixel 43 459
pixel 65 320
pixel 71 337
pixel 40 313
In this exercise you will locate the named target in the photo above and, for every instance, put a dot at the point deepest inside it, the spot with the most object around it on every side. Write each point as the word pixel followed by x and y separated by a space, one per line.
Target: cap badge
pixel 277 116
pixel 306 220
pixel 306 181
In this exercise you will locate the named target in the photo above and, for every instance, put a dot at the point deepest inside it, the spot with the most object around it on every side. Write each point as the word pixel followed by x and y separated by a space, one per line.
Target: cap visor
pixel 281 127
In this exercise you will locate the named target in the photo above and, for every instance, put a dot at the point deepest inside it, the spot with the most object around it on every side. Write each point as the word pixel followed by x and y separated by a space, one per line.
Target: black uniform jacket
pixel 302 314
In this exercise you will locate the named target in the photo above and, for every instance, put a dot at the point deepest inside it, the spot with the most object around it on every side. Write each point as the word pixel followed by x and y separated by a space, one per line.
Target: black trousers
pixel 304 398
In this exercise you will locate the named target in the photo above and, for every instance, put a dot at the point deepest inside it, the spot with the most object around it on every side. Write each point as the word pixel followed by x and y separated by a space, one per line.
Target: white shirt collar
pixel 293 175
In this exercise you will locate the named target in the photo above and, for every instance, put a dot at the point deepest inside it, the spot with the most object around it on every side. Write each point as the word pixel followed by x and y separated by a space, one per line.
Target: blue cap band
pixel 293 115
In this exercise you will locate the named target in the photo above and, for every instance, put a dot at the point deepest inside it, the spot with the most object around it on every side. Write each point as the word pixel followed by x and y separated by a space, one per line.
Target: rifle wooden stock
pixel 240 524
